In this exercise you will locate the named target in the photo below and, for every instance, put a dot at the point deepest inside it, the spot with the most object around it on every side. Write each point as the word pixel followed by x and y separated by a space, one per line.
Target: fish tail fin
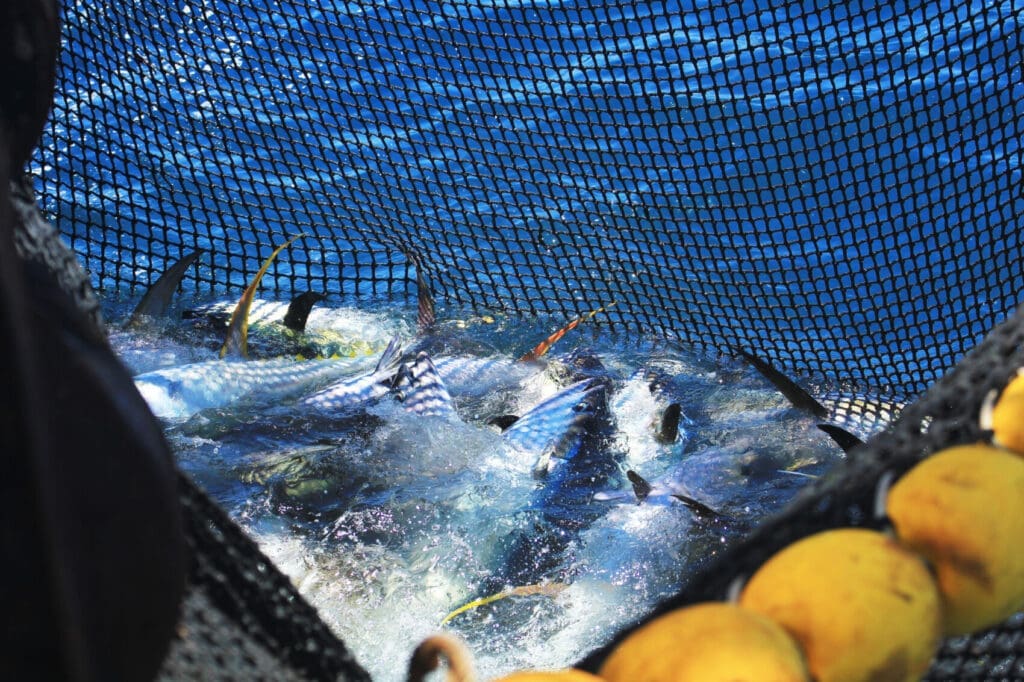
pixel 544 346
pixel 236 339
pixel 641 488
pixel 668 428
pixel 391 356
pixel 298 310
pixel 157 298
pixel 799 398
pixel 846 440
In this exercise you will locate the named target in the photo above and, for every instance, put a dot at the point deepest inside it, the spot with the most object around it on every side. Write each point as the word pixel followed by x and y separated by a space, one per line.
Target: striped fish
pixel 553 430
pixel 421 390
pixel 469 375
pixel 355 391
pixel 179 392
pixel 847 417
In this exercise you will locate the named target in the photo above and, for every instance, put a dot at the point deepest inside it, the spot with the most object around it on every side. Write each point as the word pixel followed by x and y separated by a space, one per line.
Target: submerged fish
pixel 570 436
pixel 180 392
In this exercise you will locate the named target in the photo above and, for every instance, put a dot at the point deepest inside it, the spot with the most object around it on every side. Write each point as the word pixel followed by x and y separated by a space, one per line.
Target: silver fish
pixel 468 375
pixel 179 392
pixel 358 390
pixel 553 429
pixel 421 389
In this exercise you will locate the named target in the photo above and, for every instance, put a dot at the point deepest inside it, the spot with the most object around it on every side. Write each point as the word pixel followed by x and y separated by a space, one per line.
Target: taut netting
pixel 835 185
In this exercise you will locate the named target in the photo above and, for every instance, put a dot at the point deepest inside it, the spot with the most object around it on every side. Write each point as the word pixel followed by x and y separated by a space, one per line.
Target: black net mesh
pixel 837 185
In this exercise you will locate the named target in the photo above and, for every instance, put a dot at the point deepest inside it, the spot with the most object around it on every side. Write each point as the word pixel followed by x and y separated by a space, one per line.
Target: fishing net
pixel 836 186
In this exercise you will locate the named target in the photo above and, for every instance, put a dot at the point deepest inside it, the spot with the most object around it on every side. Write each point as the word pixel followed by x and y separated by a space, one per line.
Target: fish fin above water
pixel 298 311
pixel 800 398
pixel 668 426
pixel 699 507
pixel 425 315
pixel 641 488
pixel 390 358
pixel 236 339
pixel 418 386
pixel 504 421
pixel 846 440
pixel 157 298
pixel 544 346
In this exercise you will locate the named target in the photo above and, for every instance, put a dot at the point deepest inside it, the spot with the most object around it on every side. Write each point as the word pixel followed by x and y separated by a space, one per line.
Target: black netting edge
pixel 252 592
pixel 846 498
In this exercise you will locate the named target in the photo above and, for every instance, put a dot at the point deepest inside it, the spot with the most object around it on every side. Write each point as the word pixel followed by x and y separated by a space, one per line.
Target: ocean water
pixel 387 521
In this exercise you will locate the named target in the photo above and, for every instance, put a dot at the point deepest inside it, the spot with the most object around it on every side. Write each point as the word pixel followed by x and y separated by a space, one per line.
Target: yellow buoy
pixel 963 509
pixel 1004 416
pixel 707 642
pixel 861 606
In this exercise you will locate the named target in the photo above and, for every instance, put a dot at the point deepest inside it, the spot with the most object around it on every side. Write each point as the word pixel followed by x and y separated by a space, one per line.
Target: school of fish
pixel 408 475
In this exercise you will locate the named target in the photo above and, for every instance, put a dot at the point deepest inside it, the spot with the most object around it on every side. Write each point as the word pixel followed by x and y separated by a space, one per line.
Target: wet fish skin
pixel 553 427
pixel 849 417
pixel 471 375
pixel 560 508
pixel 422 391
pixel 357 391
pixel 179 392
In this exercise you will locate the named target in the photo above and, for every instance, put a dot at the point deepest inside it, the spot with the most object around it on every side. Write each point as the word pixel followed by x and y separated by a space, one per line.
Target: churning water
pixel 389 516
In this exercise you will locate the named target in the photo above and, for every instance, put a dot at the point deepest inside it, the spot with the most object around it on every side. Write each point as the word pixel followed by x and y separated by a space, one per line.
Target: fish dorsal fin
pixel 298 310
pixel 846 440
pixel 544 346
pixel 504 421
pixel 800 398
pixel 641 488
pixel 156 299
pixel 425 316
pixel 699 507
pixel 236 340
pixel 668 428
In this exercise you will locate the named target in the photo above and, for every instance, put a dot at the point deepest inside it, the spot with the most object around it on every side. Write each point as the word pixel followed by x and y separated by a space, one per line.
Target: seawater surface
pixel 388 520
